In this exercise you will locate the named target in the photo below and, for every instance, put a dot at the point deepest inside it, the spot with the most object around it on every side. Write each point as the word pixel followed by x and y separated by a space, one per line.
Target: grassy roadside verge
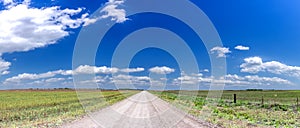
pixel 42 108
pixel 244 113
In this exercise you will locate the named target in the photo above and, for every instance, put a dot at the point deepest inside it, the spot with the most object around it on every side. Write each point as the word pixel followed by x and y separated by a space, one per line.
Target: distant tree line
pixel 254 89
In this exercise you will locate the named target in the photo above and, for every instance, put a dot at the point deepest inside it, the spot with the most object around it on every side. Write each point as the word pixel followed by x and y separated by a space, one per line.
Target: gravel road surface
pixel 143 110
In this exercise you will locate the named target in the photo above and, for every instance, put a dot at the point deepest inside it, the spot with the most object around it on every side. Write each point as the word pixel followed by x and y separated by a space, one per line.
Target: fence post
pixel 297 102
pixel 234 98
pixel 262 100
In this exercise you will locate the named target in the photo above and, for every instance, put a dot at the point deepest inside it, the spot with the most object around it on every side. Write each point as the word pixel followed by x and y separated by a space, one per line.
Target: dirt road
pixel 143 110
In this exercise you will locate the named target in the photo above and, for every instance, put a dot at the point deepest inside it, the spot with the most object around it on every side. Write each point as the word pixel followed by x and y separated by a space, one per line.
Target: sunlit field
pixel 50 108
pixel 252 108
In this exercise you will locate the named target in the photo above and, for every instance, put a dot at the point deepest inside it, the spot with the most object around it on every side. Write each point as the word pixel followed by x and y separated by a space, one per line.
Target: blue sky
pixel 260 44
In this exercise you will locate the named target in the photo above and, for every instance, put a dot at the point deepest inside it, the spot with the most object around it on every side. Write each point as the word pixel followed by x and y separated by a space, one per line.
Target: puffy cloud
pixel 103 76
pixel 256 64
pixel 83 69
pixel 87 69
pixel 205 70
pixel 257 80
pixel 220 51
pixel 132 70
pixel 57 82
pixel 192 79
pixel 231 80
pixel 104 79
pixel 127 79
pixel 112 11
pixel 145 78
pixel 119 79
pixel 6 2
pixel 4 66
pixel 88 21
pixel 242 48
pixel 53 80
pixel 33 76
pixel 10 3
pixel 25 28
pixel 161 70
pixel 252 65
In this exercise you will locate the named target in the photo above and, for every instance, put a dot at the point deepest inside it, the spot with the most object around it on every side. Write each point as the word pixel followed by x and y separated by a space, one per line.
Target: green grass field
pixel 50 108
pixel 279 108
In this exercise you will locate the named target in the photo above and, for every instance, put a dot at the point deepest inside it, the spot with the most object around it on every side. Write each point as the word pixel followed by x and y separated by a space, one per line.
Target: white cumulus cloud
pixel 82 69
pixel 87 69
pixel 242 48
pixel 25 28
pixel 34 76
pixel 257 80
pixel 161 70
pixel 112 11
pixel 252 65
pixel 53 80
pixel 6 2
pixel 129 79
pixel 4 66
pixel 103 77
pixel 128 70
pixel 220 51
pixel 256 65
pixel 231 80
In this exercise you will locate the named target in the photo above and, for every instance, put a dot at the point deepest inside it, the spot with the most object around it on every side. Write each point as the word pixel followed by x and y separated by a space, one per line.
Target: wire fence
pixel 292 102
pixel 273 98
